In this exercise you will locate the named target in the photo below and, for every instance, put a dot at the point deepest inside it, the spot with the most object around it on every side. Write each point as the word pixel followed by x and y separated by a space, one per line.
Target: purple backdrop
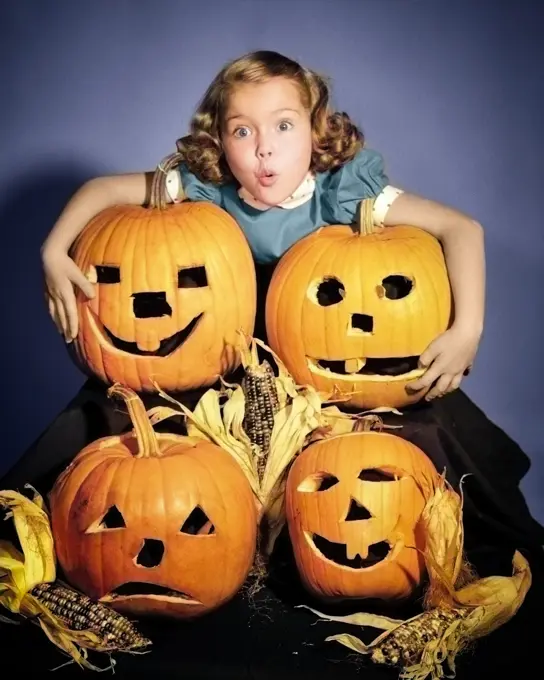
pixel 450 92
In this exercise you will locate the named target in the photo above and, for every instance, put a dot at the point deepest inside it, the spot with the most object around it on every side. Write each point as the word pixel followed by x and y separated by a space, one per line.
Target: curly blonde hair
pixel 336 139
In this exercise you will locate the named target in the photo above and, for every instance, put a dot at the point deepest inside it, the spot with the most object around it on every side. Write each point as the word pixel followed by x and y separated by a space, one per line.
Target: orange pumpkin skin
pixel 350 531
pixel 169 568
pixel 173 286
pixel 328 302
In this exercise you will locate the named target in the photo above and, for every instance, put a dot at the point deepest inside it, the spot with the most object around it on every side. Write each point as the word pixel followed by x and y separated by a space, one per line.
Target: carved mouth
pixel 167 345
pixel 337 552
pixel 390 368
pixel 150 591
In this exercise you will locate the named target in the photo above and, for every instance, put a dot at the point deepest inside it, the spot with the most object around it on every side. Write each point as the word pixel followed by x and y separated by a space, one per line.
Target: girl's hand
pixel 448 358
pixel 61 275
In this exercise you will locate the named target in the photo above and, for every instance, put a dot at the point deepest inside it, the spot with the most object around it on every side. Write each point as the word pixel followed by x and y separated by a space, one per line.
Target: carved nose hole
pixel 356 512
pixel 362 322
pixel 150 305
pixel 151 553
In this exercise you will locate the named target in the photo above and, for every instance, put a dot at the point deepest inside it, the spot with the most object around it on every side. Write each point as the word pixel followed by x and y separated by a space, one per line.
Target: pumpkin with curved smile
pixel 173 286
pixel 154 523
pixel 351 312
pixel 353 503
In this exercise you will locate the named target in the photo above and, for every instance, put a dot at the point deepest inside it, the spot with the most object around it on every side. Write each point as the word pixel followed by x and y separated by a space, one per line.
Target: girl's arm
pixel 93 197
pixel 462 239
pixel 60 271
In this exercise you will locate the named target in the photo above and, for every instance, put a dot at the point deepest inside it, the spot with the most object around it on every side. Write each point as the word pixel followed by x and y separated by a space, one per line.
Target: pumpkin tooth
pixel 150 344
pixel 354 548
pixel 354 365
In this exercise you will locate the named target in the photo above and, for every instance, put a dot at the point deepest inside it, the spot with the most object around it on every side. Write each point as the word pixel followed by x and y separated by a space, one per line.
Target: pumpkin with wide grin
pixel 173 287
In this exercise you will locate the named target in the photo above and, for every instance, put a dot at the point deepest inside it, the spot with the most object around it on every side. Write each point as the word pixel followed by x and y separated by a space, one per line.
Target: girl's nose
pixel 264 146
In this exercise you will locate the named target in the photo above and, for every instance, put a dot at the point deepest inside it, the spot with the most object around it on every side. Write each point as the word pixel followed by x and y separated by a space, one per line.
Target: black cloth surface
pixel 268 637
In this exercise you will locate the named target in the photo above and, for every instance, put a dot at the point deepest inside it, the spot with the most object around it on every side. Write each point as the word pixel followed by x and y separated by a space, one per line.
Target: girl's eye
pixel 285 125
pixel 241 132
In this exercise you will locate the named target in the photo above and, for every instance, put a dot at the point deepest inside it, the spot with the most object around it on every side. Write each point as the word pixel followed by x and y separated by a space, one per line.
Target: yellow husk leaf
pixel 34 533
pixel 488 603
pixel 442 521
pixel 497 598
pixel 20 572
pixel 292 424
pixel 208 422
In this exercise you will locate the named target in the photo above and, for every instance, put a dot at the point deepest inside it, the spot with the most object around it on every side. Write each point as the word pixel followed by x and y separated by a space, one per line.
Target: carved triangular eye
pixel 357 511
pixel 198 523
pixel 112 519
pixel 320 481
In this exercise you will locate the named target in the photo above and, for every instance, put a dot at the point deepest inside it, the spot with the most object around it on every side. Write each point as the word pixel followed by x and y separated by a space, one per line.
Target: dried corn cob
pixel 79 613
pixel 459 607
pixel 261 405
pixel 405 645
pixel 28 588
pixel 418 646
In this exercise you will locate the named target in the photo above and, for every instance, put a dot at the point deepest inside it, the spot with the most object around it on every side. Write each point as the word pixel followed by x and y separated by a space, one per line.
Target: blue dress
pixel 272 232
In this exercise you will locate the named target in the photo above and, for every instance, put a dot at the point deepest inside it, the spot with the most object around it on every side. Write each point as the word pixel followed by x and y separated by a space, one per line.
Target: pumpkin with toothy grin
pixel 350 313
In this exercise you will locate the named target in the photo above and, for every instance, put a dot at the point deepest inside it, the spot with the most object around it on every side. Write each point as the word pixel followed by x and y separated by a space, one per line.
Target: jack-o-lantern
pixel 173 287
pixel 353 504
pixel 154 523
pixel 351 310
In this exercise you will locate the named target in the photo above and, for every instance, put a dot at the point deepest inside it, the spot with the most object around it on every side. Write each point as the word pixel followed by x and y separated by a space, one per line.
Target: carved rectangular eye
pixel 107 274
pixel 383 474
pixel 192 277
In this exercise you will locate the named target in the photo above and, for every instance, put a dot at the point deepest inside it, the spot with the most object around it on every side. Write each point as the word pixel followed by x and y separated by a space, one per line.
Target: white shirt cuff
pixel 383 202
pixel 173 185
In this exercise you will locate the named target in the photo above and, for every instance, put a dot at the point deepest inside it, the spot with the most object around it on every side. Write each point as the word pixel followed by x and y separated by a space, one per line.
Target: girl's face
pixel 267 139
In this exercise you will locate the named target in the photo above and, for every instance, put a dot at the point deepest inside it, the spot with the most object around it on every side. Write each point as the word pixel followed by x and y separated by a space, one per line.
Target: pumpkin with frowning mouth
pixel 173 287
pixel 350 310
pixel 154 523
pixel 353 503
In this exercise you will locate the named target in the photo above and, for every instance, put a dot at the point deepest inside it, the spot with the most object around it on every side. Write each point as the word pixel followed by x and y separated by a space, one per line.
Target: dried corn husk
pixel 298 414
pixel 456 612
pixel 299 419
pixel 22 573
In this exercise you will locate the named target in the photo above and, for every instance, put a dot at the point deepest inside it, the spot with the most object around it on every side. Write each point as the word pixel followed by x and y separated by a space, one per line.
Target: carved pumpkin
pixel 154 523
pixel 173 287
pixel 352 312
pixel 353 502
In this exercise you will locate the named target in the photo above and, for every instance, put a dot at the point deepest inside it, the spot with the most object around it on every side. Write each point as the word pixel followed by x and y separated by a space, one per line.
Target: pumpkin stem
pixel 157 198
pixel 148 445
pixel 366 221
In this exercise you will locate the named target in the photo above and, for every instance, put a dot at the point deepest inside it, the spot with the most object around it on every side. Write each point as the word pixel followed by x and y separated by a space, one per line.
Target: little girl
pixel 266 146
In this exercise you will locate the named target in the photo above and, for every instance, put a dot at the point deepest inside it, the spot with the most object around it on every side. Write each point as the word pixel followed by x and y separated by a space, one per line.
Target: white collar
pixel 301 195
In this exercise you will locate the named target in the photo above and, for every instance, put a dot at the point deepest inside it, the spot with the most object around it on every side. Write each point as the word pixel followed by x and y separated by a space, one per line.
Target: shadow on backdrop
pixel 38 374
